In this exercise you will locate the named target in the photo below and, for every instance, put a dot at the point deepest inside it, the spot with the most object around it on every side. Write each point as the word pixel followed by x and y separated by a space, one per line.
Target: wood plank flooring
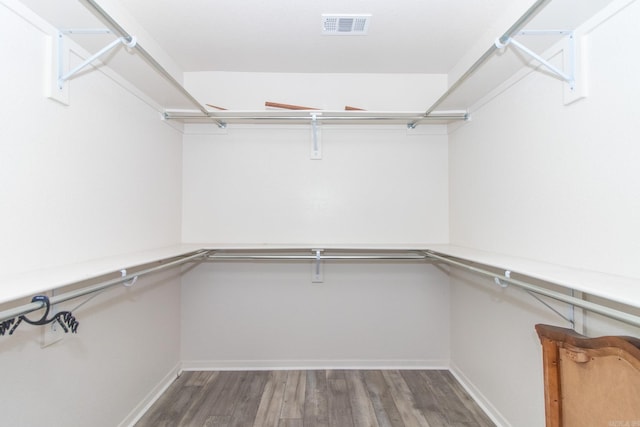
pixel 322 398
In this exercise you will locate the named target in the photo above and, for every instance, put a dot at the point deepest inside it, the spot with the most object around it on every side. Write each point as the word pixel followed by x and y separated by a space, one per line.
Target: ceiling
pixel 405 36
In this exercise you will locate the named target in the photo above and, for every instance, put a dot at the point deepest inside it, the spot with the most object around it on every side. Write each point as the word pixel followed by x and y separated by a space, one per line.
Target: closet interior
pixel 160 221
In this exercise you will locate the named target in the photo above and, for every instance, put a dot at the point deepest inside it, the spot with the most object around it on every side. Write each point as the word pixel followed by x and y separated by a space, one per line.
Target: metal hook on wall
pixel 129 283
pixel 507 275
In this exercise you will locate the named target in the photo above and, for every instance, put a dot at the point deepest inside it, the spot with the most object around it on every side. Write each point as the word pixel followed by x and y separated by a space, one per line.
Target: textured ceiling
pixel 405 36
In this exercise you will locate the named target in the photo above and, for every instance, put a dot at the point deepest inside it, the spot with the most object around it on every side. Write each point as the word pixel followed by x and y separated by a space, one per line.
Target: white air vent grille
pixel 345 25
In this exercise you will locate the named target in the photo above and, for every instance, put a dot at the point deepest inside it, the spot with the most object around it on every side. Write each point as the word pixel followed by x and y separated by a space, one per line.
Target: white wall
pixel 98 178
pixel 495 349
pixel 257 184
pixel 531 177
pixel 534 178
pixel 375 185
pixel 126 349
pixel 267 314
pixel 372 186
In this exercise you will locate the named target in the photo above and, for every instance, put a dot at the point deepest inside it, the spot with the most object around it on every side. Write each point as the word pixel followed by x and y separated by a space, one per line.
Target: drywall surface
pixel 533 178
pixel 270 315
pixel 126 349
pixel 495 350
pixel 98 178
pixel 257 184
pixel 373 185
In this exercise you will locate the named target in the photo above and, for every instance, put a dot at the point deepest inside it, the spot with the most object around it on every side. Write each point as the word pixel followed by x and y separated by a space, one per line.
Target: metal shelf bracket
pixel 572 56
pixel 59 60
pixel 503 284
pixel 316 141
pixel 317 270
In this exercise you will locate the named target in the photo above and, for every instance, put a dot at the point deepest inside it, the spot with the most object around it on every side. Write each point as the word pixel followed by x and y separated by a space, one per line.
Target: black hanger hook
pixel 66 320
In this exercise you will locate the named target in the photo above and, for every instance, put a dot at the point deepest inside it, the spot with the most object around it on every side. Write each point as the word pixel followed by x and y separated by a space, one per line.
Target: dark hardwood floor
pixel 315 399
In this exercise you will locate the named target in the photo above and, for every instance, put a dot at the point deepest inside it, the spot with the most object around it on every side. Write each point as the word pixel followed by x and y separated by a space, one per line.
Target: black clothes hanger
pixel 64 318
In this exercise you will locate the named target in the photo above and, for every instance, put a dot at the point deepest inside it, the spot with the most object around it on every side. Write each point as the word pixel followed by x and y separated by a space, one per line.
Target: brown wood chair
pixel 590 381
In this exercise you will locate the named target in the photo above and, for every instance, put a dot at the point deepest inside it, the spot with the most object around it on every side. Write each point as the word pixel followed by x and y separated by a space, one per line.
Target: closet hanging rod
pixel 355 117
pixel 118 29
pixel 34 306
pixel 513 30
pixel 286 257
pixel 611 313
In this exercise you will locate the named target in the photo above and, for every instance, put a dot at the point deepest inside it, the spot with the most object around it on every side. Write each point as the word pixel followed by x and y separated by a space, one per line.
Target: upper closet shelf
pixel 167 87
pixel 493 68
pixel 319 116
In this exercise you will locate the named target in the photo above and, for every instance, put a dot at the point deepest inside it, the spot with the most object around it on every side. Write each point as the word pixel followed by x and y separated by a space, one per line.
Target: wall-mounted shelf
pixel 617 290
pixel 559 27
pixel 23 285
pixel 164 85
pixel 307 116
pixel 624 290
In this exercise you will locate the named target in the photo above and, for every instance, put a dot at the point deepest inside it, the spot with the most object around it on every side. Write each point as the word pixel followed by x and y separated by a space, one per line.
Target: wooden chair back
pixel 590 381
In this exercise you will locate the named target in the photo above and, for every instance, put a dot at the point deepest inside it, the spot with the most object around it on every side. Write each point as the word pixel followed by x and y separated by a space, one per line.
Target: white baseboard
pixel 142 407
pixel 484 403
pixel 263 365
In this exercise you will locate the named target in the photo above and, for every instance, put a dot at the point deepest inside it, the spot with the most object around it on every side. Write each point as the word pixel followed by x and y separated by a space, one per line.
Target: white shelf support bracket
pixel 316 138
pixel 572 57
pixel 567 318
pixel 59 59
pixel 504 284
pixel 317 267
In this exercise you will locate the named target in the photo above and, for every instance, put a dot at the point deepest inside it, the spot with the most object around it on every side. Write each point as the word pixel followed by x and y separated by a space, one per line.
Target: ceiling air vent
pixel 345 25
